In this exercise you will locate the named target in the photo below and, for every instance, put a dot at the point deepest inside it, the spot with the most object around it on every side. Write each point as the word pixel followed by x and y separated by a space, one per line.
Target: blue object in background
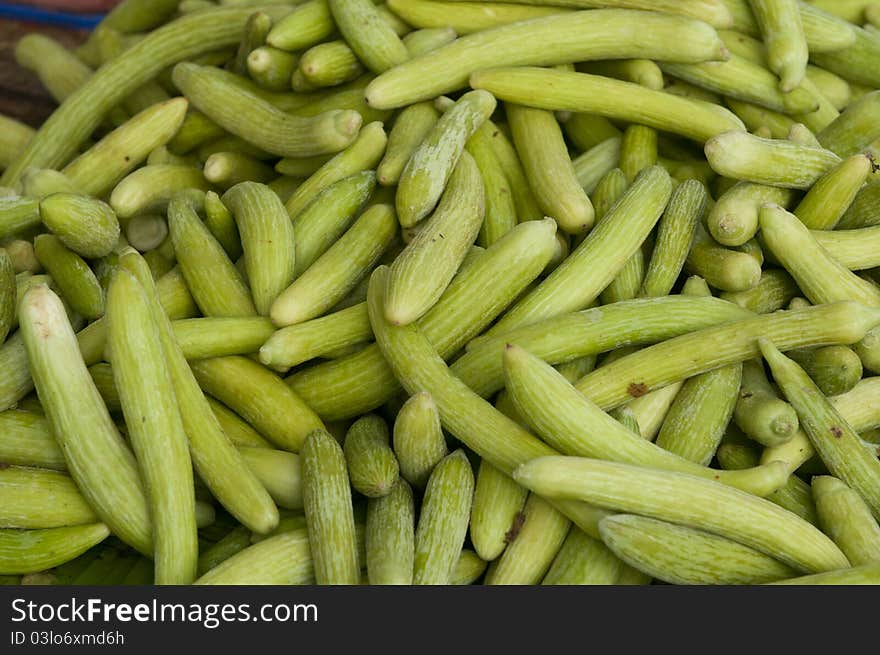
pixel 14 11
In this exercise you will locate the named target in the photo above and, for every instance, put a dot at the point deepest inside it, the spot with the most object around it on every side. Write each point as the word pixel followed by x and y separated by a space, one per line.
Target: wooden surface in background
pixel 21 94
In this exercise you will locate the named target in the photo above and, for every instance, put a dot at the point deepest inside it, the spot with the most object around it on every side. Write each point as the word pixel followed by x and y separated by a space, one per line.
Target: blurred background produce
pixel 21 94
